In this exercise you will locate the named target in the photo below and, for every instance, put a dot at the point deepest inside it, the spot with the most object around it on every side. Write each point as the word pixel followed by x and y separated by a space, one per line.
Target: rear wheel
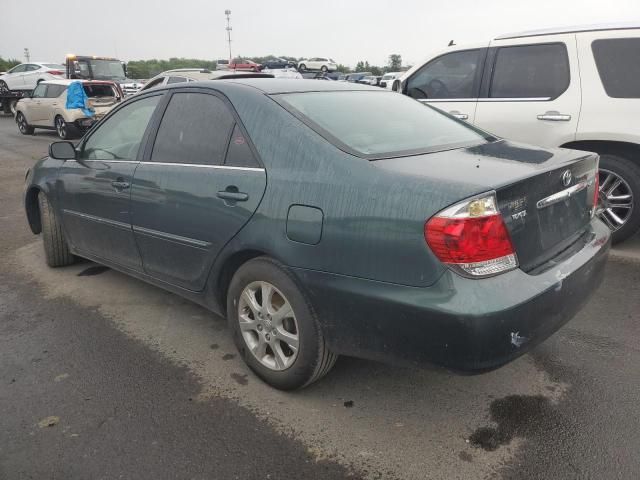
pixel 324 69
pixel 302 67
pixel 619 195
pixel 3 87
pixel 23 126
pixel 56 249
pixel 65 130
pixel 274 326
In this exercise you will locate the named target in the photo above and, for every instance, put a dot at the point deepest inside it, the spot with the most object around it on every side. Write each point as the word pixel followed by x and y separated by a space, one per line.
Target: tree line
pixel 8 63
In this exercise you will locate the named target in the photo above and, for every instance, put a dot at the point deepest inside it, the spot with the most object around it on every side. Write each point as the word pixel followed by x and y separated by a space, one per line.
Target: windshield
pixel 106 69
pixel 379 124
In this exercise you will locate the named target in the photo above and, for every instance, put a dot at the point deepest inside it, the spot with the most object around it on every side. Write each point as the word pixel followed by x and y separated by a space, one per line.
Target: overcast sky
pixel 345 30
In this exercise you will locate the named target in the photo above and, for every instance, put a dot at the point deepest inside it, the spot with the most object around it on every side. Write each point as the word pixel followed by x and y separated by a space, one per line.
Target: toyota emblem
pixel 566 178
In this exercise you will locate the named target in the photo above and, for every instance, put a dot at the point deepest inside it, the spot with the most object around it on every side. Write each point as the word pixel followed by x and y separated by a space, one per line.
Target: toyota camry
pixel 326 219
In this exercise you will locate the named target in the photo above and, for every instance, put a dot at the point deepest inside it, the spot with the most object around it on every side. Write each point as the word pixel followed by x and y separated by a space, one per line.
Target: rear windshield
pixel 99 90
pixel 379 124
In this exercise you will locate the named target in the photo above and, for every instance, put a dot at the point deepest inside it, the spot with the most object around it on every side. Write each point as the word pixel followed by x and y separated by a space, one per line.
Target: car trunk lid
pixel 544 208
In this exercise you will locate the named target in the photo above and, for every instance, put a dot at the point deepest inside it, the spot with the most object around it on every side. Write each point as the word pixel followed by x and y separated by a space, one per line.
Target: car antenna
pixel 451 44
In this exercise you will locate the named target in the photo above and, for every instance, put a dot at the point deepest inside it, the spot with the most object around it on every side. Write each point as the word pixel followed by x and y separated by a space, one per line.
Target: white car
pixel 282 72
pixel 46 107
pixel 575 87
pixel 180 75
pixel 324 64
pixel 387 79
pixel 26 76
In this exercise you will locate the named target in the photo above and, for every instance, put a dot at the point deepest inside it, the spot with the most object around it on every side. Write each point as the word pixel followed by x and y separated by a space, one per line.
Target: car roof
pixel 572 29
pixel 289 85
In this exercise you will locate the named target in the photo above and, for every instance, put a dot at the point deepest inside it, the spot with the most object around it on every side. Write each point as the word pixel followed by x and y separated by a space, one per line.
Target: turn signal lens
pixel 472 238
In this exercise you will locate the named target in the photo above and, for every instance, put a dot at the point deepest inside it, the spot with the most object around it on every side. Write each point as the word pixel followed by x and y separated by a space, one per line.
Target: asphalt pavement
pixel 103 377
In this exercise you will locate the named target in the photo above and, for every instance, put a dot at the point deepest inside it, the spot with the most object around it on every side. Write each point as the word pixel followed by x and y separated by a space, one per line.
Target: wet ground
pixel 102 376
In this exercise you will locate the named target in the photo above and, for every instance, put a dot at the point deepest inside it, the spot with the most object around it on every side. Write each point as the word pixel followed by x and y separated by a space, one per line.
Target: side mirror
pixel 62 151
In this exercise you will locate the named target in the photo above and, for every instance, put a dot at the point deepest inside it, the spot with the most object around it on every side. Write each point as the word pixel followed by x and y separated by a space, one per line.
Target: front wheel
pixel 324 69
pixel 619 196
pixel 4 88
pixel 274 326
pixel 23 126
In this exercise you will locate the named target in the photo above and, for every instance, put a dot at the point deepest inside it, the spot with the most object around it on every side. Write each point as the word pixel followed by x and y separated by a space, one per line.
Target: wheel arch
pixel 228 269
pixel 32 207
pixel 628 150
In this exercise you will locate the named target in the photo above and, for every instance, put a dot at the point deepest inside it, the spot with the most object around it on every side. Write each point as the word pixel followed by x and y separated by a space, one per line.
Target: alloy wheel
pixel 268 325
pixel 615 202
pixel 22 123
pixel 61 128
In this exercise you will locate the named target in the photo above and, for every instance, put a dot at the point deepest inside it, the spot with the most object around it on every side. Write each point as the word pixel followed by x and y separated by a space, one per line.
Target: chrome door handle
pixel 233 196
pixel 458 115
pixel 120 185
pixel 554 116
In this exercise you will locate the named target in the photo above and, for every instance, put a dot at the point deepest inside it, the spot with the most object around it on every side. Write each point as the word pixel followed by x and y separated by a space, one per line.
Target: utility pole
pixel 27 55
pixel 228 14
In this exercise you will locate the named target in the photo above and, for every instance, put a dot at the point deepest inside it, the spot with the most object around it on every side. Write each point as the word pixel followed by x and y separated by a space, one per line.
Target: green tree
pixel 395 62
pixel 8 63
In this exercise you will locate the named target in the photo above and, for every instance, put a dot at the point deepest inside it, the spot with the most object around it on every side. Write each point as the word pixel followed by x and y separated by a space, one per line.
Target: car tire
pixel 612 169
pixel 64 130
pixel 4 88
pixel 324 69
pixel 56 249
pixel 23 126
pixel 302 67
pixel 251 324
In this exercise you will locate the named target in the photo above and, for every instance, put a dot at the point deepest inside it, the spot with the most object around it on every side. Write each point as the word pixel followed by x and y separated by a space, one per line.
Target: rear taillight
pixel 471 238
pixel 55 72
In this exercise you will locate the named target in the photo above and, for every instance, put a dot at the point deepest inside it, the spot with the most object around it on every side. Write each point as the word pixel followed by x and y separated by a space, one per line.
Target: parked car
pixel 283 72
pixel 387 79
pixel 181 75
pixel 278 64
pixel 386 229
pixel 357 76
pixel 372 80
pixel 324 64
pixel 46 107
pixel 26 76
pixel 243 64
pixel 222 64
pixel 573 87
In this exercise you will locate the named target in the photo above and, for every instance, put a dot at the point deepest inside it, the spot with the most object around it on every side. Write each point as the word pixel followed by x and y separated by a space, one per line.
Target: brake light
pixel 472 238
pixel 56 72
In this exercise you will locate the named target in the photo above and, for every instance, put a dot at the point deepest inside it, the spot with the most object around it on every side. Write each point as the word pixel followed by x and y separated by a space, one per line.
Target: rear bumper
pixel 461 324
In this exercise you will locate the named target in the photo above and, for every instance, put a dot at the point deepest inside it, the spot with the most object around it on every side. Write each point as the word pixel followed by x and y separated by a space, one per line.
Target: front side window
pixel 119 136
pixel 40 91
pixel 18 68
pixel 379 124
pixel 450 76
pixel 195 128
pixel 530 71
pixel 618 63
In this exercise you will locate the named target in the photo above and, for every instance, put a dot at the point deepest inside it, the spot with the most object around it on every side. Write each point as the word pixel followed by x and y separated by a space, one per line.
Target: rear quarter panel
pixel 373 218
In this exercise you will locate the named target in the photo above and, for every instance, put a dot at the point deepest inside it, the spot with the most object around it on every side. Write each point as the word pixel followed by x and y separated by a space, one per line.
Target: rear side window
pixel 54 91
pixel 379 124
pixel 530 71
pixel 618 62
pixel 239 153
pixel 195 128
pixel 99 90
pixel 450 76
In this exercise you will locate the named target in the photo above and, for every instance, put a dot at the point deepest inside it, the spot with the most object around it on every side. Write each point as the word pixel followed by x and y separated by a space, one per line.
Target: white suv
pixel 324 64
pixel 575 88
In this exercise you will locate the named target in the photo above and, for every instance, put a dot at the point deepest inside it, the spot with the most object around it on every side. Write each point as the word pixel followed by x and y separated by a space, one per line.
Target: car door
pixel 14 77
pixel 54 102
pixel 531 91
pixel 94 190
pixel 450 82
pixel 31 76
pixel 186 202
pixel 37 106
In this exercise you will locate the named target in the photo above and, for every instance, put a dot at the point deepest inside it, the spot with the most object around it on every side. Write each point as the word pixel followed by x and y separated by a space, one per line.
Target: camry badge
pixel 566 178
